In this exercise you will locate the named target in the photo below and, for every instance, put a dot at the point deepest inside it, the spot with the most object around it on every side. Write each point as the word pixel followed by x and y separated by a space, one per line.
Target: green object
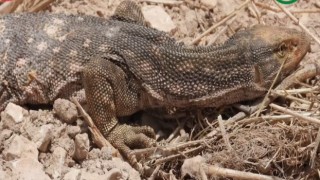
pixel 287 1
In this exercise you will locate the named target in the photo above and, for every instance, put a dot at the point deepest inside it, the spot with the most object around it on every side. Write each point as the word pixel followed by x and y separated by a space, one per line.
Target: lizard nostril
pixel 295 43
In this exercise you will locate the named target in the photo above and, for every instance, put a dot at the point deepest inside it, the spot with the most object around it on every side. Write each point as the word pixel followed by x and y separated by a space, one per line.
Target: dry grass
pixel 281 142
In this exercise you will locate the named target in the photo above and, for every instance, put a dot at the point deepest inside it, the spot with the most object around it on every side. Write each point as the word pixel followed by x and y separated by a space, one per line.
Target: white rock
pixel 209 3
pixel 72 131
pixel 158 18
pixel 114 173
pixel 191 22
pixel 91 176
pixel 127 172
pixel 21 147
pixel 106 153
pixel 65 110
pixel 28 169
pixel 192 167
pixel 81 147
pixel 227 6
pixel 73 174
pixel 43 137
pixel 57 162
pixel 12 115
pixel 5 134
pixel 3 174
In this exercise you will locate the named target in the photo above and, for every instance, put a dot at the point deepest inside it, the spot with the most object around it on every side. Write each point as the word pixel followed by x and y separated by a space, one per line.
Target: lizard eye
pixel 282 50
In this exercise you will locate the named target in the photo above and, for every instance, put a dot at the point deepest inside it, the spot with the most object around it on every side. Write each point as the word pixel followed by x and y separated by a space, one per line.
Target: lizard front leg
pixel 111 94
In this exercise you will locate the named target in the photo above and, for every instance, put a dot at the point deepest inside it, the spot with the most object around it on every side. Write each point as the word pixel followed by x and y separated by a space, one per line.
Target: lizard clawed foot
pixel 125 137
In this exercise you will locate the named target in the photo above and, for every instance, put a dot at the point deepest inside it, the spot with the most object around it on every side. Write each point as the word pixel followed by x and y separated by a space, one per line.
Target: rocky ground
pixel 55 143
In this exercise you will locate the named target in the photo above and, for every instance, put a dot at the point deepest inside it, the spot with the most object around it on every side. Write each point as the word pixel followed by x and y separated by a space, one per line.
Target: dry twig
pixel 224 133
pixel 230 173
pixel 164 151
pixel 181 154
pixel 258 13
pixel 284 95
pixel 9 7
pixel 217 35
pixel 98 138
pixel 232 14
pixel 274 9
pixel 296 20
pixel 314 89
pixel 305 72
pixel 315 150
pixel 40 5
pixel 266 97
pixel 167 2
pixel 154 173
pixel 296 114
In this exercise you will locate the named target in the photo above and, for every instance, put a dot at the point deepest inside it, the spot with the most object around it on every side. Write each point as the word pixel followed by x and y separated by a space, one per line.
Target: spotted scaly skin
pixel 125 66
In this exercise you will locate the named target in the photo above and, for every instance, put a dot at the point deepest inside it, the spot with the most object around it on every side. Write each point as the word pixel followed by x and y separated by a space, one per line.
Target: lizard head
pixel 271 46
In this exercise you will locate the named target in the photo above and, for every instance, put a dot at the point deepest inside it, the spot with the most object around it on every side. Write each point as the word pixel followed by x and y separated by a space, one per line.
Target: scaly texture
pixel 125 66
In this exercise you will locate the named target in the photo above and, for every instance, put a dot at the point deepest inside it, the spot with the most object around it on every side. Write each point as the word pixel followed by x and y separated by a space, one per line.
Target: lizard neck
pixel 187 74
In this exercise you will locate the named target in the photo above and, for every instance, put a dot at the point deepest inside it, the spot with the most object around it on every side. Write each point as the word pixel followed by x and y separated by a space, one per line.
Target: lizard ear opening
pixel 286 47
pixel 282 49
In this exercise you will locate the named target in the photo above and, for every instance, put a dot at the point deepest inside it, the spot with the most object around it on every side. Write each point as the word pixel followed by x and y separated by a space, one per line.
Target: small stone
pixel 94 153
pixel 57 162
pixel 28 169
pixel 12 115
pixel 127 172
pixel 114 173
pixel 209 3
pixel 3 174
pixel 66 143
pixel 81 147
pixel 72 131
pixel 65 110
pixel 192 166
pixel 158 18
pixel 21 147
pixel 191 22
pixel 5 134
pixel 73 174
pixel 92 176
pixel 106 153
pixel 227 6
pixel 43 137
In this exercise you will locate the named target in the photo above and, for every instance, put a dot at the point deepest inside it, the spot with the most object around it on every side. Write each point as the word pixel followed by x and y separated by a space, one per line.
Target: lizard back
pixel 43 55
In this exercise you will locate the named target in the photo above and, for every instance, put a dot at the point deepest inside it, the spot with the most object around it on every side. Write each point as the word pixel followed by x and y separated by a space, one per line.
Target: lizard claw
pixel 125 137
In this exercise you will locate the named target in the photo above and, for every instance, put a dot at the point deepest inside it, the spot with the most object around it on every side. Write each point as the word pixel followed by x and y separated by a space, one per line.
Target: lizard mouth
pixel 299 47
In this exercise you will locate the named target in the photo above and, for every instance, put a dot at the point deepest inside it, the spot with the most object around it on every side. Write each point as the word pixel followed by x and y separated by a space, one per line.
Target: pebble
pixel 192 166
pixel 57 163
pixel 65 110
pixel 43 137
pixel 158 18
pixel 209 3
pixel 28 169
pixel 13 115
pixel 21 147
pixel 73 174
pixel 73 131
pixel 82 146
